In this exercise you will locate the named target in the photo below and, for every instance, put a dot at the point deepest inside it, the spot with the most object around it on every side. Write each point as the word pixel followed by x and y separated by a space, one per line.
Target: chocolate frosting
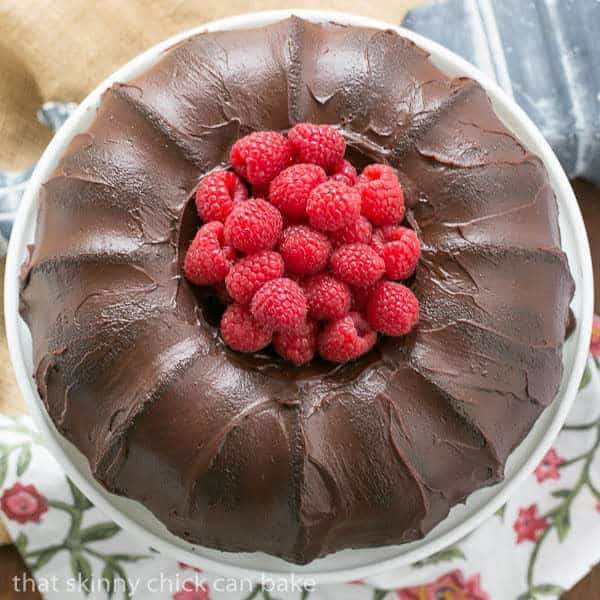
pixel 244 453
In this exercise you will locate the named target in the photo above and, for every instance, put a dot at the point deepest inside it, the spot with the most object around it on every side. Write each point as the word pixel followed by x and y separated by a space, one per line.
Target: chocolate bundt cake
pixel 246 452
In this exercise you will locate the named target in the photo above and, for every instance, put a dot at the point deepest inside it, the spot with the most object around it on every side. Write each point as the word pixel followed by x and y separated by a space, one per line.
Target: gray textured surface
pixel 546 53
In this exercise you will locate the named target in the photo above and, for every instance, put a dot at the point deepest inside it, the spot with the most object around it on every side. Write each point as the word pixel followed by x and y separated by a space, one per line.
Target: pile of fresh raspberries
pixel 310 262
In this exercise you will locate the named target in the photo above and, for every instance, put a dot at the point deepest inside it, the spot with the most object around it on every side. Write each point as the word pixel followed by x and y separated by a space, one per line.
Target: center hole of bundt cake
pixel 292 252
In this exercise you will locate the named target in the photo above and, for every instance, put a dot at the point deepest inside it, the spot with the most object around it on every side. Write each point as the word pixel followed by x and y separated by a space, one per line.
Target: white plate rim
pixel 567 202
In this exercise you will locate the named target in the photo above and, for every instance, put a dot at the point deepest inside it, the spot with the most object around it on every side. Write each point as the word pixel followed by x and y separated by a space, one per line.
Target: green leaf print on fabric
pixel 448 554
pixel 79 544
pixel 558 518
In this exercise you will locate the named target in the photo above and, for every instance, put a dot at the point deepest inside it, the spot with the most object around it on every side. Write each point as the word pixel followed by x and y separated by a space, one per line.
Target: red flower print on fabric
pixel 529 525
pixel 192 591
pixel 23 503
pixel 548 468
pixel 451 586
pixel 595 345
pixel 183 565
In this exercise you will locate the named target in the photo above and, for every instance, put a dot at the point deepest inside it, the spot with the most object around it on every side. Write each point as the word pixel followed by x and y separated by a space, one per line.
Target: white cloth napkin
pixel 541 543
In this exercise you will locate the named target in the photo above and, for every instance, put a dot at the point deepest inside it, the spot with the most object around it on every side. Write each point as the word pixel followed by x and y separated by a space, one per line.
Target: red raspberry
pixel 217 193
pixel 360 230
pixel 253 225
pixel 393 233
pixel 332 205
pixel 399 246
pixel 260 156
pixel 208 260
pixel 381 194
pixel 241 332
pixel 328 299
pixel 392 309
pixel 290 189
pixel 344 171
pixel 346 339
pixel 280 304
pixel 378 241
pixel 321 145
pixel 377 171
pixel 298 347
pixel 304 250
pixel 357 265
pixel 250 273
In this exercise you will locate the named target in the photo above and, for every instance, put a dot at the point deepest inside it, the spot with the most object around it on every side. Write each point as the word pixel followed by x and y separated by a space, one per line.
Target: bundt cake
pixel 245 452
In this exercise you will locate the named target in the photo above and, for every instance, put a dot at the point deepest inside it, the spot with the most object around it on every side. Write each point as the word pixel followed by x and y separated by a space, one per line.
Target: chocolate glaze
pixel 245 453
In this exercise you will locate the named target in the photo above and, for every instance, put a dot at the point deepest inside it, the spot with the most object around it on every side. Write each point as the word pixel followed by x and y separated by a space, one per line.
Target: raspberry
pixel 250 273
pixel 241 332
pixel 298 347
pixel 260 156
pixel 208 260
pixel 346 339
pixel 359 230
pixel 253 225
pixel 377 171
pixel 280 304
pixel 217 193
pixel 399 246
pixel 332 205
pixel 290 189
pixel 357 264
pixel 382 201
pixel 344 171
pixel 318 144
pixel 393 233
pixel 328 299
pixel 378 241
pixel 304 250
pixel 392 308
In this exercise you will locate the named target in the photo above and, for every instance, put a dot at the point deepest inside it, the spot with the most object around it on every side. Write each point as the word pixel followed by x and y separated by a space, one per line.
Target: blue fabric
pixel 543 52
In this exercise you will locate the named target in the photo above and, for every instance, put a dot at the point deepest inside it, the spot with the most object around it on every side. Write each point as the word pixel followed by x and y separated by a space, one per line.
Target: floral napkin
pixel 538 545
